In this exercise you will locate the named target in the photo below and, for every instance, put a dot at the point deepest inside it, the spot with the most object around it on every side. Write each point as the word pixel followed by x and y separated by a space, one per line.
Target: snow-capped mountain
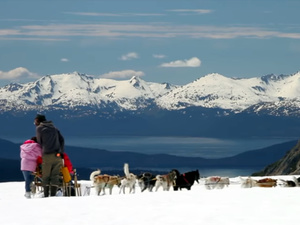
pixel 271 94
pixel 73 90
pixel 217 91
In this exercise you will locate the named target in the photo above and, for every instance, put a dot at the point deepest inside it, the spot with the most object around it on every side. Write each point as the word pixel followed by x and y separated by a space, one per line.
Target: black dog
pixel 186 180
pixel 146 181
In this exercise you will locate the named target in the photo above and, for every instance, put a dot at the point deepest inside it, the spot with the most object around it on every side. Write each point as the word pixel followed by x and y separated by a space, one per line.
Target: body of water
pixel 179 146
pixel 206 172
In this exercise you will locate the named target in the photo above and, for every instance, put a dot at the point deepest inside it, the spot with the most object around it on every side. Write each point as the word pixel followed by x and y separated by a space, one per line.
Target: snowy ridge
pixel 217 91
pixel 73 90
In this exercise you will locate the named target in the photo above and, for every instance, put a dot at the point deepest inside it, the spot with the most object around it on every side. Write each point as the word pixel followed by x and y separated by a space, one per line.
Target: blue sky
pixel 175 41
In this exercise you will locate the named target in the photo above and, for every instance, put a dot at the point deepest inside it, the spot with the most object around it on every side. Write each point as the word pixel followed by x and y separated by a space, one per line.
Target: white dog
pixel 165 181
pixel 94 177
pixel 216 182
pixel 248 182
pixel 128 181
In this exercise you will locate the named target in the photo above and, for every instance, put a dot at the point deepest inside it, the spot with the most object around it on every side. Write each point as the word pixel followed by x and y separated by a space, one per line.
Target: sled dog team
pixel 145 181
pixel 150 182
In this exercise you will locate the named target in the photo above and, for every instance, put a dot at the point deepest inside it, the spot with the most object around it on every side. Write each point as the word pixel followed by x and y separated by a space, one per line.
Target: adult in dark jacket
pixel 52 143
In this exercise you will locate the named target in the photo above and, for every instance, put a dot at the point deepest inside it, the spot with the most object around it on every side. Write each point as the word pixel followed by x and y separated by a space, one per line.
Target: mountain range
pixel 213 105
pixel 75 90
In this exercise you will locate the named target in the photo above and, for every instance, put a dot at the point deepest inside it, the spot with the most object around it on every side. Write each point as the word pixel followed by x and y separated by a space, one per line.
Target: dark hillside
pixel 289 164
pixel 260 157
pixel 88 159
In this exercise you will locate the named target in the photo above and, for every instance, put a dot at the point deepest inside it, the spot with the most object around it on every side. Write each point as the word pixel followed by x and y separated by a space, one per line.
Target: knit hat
pixel 40 118
pixel 29 141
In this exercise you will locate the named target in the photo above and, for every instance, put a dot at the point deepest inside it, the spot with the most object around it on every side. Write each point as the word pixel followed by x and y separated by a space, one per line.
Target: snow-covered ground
pixel 231 205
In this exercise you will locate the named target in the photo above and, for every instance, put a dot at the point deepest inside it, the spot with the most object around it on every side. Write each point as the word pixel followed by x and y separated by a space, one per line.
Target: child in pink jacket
pixel 30 150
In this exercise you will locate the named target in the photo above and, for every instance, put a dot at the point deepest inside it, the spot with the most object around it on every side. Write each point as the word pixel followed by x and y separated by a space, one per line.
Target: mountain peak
pixel 213 77
pixel 13 87
pixel 135 79
pixel 136 82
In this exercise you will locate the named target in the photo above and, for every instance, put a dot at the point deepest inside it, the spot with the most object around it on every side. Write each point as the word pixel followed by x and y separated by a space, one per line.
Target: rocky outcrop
pixel 288 165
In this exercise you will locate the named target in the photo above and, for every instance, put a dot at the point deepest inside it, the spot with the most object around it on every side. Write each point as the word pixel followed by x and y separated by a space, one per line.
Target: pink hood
pixel 29 154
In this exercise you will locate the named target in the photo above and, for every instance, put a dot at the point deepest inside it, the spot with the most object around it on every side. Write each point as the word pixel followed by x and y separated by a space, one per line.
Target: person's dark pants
pixel 51 173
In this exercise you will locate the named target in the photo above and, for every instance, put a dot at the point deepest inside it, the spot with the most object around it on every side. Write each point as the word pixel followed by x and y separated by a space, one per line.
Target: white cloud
pixel 91 14
pixel 159 56
pixel 64 60
pixel 17 73
pixel 64 32
pixel 198 11
pixel 113 14
pixel 192 62
pixel 123 74
pixel 129 56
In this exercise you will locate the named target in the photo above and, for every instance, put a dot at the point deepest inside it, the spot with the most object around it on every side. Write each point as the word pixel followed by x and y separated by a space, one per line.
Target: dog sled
pixel 69 185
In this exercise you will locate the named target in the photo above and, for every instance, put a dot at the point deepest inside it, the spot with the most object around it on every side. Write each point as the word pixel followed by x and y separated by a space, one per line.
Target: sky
pixel 171 41
pixel 232 205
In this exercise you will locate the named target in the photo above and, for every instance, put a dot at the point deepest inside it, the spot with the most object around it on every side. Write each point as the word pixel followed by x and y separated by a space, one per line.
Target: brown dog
pixel 267 182
pixel 165 181
pixel 100 182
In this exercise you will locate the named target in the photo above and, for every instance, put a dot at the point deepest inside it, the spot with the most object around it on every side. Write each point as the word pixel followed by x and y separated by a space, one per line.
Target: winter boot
pixel 53 190
pixel 46 191
pixel 27 195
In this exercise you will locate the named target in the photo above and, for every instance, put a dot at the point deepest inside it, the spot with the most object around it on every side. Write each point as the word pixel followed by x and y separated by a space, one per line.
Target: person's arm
pixel 38 135
pixel 61 142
